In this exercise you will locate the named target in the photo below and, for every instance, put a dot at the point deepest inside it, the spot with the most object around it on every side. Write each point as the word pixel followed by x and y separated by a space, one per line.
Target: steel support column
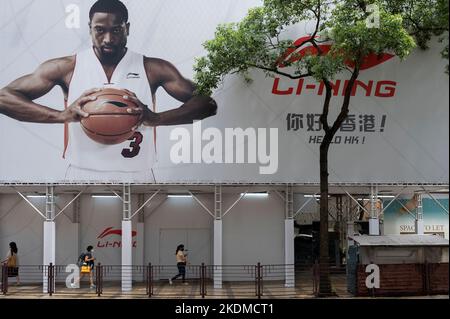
pixel 374 223
pixel 140 235
pixel 127 244
pixel 419 215
pixel 218 236
pixel 49 244
pixel 289 236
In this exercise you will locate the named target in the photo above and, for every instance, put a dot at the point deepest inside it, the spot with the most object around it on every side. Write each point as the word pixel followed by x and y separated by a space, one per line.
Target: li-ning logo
pixel 379 88
pixel 292 55
pixel 115 103
pixel 132 75
pixel 105 243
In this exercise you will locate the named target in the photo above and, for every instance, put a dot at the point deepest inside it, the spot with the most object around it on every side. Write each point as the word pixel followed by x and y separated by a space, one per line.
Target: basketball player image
pixel 107 64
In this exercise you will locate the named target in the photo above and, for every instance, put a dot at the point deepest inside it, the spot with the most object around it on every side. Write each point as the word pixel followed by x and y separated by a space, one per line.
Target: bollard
pixel 316 278
pixel 4 279
pixel 99 279
pixel 149 280
pixel 258 281
pixel 51 279
pixel 202 280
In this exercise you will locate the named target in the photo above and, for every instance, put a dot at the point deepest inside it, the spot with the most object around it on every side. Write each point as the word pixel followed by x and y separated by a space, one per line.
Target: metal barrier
pixel 149 280
pixel 258 281
pixel 4 279
pixel 202 281
pixel 51 279
pixel 99 279
pixel 235 281
pixel 30 276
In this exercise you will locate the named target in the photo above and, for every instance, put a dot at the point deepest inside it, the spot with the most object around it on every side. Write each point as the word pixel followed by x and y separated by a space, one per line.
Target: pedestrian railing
pixel 307 280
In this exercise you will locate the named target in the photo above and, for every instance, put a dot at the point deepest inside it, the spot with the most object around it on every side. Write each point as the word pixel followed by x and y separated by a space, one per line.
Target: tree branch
pixel 274 70
pixel 319 50
pixel 318 20
pixel 362 5
pixel 433 30
pixel 326 106
pixel 270 41
pixel 345 105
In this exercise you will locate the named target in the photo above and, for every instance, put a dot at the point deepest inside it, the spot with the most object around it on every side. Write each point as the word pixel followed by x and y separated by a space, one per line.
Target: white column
pixel 48 249
pixel 140 247
pixel 77 225
pixel 217 253
pixel 419 227
pixel 127 246
pixel 289 253
pixel 77 240
pixel 374 226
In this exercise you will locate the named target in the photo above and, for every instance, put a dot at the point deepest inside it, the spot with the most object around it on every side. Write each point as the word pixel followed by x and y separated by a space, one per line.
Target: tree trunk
pixel 324 261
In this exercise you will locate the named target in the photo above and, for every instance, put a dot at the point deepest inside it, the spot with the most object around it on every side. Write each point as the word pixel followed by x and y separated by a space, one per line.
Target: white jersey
pixel 135 155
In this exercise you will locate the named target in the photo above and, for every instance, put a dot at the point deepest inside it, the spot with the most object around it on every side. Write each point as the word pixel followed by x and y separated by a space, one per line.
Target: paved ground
pixel 162 290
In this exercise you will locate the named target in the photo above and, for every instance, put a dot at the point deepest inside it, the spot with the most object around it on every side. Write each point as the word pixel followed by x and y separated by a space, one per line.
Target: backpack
pixel 81 259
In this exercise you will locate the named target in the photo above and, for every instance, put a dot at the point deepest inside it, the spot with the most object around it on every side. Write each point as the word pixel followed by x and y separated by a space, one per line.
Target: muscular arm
pixel 195 107
pixel 16 99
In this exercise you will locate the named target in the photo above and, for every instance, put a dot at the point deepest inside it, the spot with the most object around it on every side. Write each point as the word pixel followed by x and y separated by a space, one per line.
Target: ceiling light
pixel 178 196
pixel 255 194
pixel 103 196
pixel 316 196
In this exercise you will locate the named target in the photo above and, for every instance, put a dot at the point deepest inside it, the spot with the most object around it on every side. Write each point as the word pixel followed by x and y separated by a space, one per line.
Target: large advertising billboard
pixel 397 219
pixel 266 131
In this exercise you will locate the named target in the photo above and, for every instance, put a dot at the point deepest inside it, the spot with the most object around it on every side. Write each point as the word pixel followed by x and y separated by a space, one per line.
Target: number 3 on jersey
pixel 134 149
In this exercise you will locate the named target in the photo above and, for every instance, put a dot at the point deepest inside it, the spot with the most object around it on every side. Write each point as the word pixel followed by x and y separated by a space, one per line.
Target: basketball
pixel 109 122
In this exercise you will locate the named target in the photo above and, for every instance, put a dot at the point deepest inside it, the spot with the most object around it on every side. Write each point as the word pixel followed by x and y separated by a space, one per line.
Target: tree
pixel 352 30
pixel 423 19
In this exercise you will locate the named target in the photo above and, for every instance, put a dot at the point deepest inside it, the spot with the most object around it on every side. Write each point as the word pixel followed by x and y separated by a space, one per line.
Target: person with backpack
pixel 86 264
pixel 12 262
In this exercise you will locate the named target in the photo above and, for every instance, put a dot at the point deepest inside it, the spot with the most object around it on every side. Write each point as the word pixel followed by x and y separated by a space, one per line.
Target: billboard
pixel 266 131
pixel 398 220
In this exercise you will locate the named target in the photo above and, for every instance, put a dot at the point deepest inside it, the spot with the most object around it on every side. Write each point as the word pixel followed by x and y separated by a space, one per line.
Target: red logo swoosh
pixel 111 231
pixel 295 54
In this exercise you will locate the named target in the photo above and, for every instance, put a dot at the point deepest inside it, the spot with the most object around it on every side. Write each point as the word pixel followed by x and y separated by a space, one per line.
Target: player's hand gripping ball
pixel 109 121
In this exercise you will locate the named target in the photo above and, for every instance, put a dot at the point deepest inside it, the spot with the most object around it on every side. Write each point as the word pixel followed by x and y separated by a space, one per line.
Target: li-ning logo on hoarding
pixel 107 238
pixel 379 88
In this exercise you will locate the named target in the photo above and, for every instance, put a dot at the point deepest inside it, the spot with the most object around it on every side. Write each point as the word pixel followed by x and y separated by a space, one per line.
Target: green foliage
pixel 253 42
pixel 423 19
pixel 236 47
pixel 258 40
pixel 353 38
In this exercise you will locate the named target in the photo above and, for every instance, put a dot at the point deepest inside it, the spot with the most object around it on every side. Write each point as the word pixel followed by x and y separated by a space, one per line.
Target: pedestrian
pixel 86 264
pixel 12 261
pixel 181 258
